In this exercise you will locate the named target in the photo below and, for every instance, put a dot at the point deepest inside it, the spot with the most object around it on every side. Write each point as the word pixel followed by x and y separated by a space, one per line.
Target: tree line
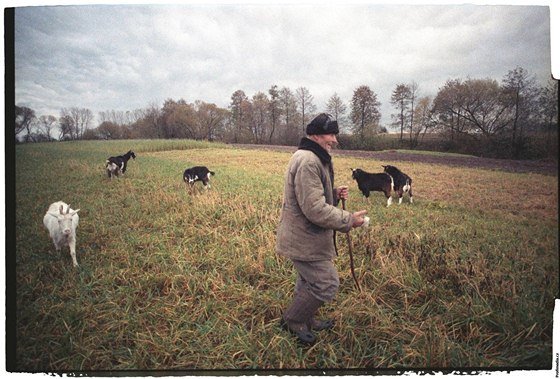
pixel 503 118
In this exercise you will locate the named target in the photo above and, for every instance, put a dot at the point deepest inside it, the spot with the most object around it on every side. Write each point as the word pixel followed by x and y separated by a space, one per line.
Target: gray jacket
pixel 309 217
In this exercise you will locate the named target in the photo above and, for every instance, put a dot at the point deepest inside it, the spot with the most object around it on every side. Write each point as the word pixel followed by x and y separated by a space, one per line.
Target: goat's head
pixel 389 168
pixel 131 154
pixel 356 173
pixel 65 219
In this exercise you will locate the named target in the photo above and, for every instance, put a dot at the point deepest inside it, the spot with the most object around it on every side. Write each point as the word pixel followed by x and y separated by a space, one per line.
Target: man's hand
pixel 342 192
pixel 358 218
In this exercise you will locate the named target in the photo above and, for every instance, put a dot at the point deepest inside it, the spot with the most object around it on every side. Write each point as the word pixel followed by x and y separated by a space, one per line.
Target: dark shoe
pixel 297 316
pixel 321 324
pixel 304 335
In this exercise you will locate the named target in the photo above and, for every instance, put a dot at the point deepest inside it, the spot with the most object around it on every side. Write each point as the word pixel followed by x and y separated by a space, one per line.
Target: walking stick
pixel 350 251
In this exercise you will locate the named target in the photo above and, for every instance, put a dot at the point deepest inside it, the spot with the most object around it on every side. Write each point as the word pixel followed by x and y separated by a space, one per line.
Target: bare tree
pixel 401 100
pixel 423 119
pixel 274 110
pixel 238 98
pixel 305 106
pixel 548 110
pixel 448 108
pixel 520 93
pixel 24 121
pixel 365 113
pixel 83 117
pixel 130 117
pixel 109 130
pixel 335 106
pixel 211 120
pixel 259 116
pixel 67 128
pixel 136 125
pixel 474 107
pixel 46 125
pixel 178 119
pixel 288 103
pixel 153 120
pixel 116 117
pixel 413 94
pixel 77 121
pixel 483 108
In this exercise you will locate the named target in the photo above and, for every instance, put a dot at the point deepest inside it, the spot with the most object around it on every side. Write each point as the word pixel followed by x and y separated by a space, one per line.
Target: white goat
pixel 61 221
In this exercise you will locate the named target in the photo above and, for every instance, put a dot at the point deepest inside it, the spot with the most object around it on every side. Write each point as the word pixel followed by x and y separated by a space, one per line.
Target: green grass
pixel 177 280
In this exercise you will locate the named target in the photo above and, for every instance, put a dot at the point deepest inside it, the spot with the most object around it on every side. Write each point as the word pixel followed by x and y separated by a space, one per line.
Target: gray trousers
pixel 319 278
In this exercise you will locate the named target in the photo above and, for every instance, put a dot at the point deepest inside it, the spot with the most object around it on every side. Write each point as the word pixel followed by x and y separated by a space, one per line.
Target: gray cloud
pixel 125 57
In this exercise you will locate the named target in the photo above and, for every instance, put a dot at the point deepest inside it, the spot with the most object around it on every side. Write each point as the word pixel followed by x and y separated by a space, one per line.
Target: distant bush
pixel 536 146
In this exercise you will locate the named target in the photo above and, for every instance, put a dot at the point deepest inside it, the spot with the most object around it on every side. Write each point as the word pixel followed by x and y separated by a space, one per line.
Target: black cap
pixel 322 124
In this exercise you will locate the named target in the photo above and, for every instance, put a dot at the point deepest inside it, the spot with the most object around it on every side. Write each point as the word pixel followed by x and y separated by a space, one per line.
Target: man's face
pixel 326 141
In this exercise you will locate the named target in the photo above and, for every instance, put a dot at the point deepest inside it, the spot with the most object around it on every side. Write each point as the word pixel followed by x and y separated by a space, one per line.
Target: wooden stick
pixel 350 251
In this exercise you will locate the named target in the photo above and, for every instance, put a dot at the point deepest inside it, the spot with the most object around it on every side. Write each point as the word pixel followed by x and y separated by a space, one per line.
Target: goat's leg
pixel 206 184
pixel 55 240
pixel 389 198
pixel 387 192
pixel 366 195
pixel 72 245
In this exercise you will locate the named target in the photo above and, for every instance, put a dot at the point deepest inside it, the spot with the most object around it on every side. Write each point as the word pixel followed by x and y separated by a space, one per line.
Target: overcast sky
pixel 125 57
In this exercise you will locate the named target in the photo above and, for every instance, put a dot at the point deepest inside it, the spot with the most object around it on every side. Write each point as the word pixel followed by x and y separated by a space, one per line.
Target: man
pixel 308 222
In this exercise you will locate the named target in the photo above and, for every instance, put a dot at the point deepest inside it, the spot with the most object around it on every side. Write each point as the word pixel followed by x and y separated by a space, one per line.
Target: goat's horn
pixel 68 210
pixel 61 209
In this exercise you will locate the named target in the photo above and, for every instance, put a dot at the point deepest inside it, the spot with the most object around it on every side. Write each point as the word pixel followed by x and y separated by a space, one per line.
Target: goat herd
pixel 62 221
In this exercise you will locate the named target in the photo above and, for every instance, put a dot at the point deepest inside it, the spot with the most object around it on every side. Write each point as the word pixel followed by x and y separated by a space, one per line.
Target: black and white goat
pixel 116 166
pixel 197 173
pixel 402 183
pixel 367 182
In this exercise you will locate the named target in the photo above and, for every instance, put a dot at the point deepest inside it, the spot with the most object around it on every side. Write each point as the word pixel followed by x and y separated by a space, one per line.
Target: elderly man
pixel 308 222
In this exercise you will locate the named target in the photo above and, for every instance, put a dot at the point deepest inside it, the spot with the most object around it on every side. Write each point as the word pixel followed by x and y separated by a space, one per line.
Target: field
pixel 465 277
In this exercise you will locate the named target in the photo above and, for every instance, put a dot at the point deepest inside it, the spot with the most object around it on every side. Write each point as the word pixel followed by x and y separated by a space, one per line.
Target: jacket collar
pixel 308 144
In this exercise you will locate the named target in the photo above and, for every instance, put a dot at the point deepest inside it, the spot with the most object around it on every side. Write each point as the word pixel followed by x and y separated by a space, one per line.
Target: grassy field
pixel 171 280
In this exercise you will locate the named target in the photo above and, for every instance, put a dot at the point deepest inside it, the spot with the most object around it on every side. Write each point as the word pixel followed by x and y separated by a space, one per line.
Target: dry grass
pixel 173 280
